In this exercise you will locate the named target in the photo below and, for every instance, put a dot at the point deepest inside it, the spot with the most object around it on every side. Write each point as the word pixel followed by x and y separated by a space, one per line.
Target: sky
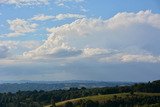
pixel 102 40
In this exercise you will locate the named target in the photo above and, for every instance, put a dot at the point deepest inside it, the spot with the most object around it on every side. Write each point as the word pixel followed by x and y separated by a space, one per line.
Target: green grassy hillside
pixel 102 98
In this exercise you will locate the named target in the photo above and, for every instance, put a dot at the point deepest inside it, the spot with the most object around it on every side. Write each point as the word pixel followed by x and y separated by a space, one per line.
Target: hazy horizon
pixel 58 40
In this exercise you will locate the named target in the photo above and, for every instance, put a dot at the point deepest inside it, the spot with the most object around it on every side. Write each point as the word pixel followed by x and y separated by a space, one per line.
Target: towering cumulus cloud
pixel 125 37
pixel 124 47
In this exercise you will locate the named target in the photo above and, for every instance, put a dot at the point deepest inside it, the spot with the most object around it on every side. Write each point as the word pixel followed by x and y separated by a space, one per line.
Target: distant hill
pixel 25 85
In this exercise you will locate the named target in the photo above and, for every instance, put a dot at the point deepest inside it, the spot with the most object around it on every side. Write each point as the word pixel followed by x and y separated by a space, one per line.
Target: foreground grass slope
pixel 103 98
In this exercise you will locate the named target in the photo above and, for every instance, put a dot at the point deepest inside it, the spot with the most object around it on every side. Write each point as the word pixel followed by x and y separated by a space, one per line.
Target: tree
pixel 53 103
pixel 132 93
pixel 68 104
pixel 90 103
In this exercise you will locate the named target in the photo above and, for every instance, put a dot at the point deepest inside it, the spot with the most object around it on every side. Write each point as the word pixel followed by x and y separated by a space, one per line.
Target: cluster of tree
pixel 153 87
pixel 41 98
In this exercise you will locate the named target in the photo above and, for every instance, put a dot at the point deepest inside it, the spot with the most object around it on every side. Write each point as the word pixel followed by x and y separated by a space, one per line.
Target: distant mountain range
pixel 25 85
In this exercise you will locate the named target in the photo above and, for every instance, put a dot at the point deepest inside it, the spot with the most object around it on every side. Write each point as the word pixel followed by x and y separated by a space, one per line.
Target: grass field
pixel 102 98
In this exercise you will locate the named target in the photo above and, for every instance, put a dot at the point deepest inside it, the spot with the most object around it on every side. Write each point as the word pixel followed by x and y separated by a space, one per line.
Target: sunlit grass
pixel 102 98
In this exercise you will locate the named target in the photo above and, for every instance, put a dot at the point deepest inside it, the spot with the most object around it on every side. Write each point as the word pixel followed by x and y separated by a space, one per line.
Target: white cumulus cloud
pixel 20 27
pixel 10 48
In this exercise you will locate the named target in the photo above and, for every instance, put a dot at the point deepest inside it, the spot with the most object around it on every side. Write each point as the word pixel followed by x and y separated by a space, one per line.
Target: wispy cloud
pixel 62 2
pixel 83 9
pixel 42 17
pixel 127 58
pixel 24 2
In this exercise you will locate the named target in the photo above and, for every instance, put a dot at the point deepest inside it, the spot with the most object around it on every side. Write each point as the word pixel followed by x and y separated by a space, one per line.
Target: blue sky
pixel 106 40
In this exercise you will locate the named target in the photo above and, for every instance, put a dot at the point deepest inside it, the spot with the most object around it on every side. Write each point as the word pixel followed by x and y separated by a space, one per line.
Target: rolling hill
pixel 110 97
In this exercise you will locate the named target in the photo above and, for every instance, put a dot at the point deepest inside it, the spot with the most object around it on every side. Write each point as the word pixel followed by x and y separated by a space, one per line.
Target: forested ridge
pixel 54 85
pixel 40 98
